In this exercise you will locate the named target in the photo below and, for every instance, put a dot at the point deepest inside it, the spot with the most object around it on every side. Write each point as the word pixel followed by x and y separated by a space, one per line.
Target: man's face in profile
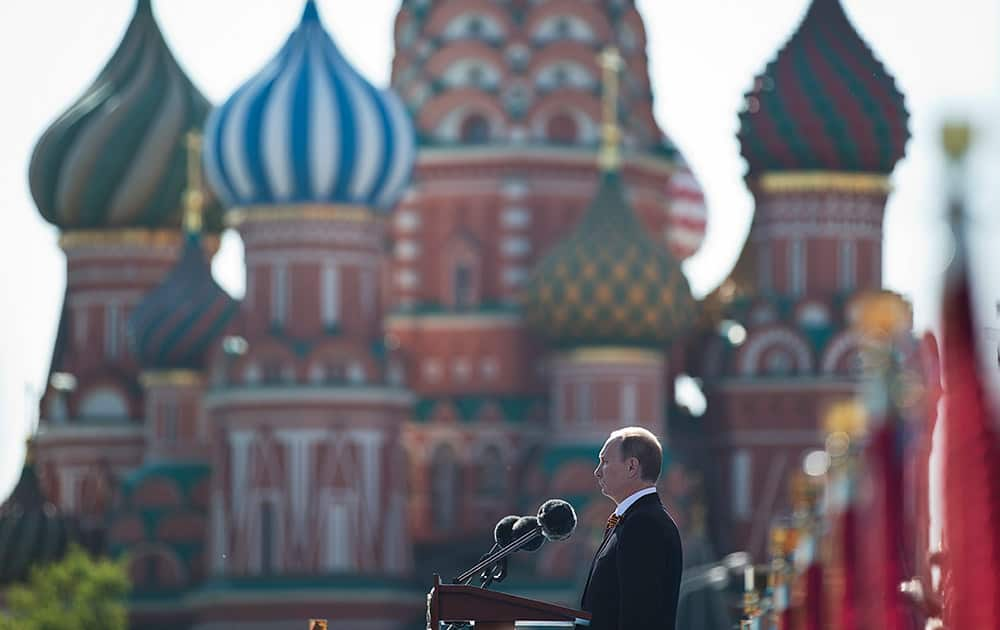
pixel 611 471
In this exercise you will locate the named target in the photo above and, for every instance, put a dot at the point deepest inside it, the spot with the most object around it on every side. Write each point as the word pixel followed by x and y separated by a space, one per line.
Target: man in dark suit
pixel 635 578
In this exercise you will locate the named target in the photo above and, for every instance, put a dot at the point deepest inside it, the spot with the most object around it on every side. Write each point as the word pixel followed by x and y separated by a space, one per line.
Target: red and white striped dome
pixel 687 213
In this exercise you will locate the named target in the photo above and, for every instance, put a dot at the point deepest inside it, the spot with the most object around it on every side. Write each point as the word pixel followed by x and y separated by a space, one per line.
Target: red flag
pixel 970 466
pixel 885 326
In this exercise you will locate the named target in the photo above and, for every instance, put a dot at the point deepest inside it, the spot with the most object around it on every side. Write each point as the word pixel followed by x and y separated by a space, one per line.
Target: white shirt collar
pixel 635 496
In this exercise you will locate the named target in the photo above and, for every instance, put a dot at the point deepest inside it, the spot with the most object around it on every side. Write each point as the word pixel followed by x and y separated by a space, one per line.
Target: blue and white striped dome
pixel 309 129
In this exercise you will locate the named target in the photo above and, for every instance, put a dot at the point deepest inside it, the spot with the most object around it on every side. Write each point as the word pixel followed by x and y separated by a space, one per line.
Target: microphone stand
pixel 487 575
pixel 492 558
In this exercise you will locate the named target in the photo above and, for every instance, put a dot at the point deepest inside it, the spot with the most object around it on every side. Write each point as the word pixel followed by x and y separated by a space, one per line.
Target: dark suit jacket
pixel 635 578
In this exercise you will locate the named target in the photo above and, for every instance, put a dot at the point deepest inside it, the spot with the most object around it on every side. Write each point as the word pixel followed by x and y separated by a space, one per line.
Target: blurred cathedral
pixel 450 302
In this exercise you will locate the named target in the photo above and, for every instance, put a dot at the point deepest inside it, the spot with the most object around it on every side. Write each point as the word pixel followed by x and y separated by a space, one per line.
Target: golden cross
pixel 956 137
pixel 611 64
pixel 194 198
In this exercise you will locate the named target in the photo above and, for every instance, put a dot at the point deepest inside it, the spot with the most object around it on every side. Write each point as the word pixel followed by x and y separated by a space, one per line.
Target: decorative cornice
pixel 453 321
pixel 171 378
pixel 309 395
pixel 582 156
pixel 823 181
pixel 117 238
pixel 302 212
pixel 77 430
pixel 614 354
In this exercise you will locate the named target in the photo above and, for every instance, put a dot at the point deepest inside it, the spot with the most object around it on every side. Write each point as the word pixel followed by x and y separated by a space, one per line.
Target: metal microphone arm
pixel 499 555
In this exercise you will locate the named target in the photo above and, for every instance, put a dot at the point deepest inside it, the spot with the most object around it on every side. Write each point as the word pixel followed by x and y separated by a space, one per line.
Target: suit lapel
pixel 649 498
pixel 597 554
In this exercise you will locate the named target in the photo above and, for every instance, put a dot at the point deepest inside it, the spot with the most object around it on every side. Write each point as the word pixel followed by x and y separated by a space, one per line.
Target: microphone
pixel 525 525
pixel 557 519
pixel 502 536
pixel 503 533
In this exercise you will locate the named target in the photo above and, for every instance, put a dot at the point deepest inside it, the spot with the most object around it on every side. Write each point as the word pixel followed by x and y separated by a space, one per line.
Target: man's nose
pixel 597 472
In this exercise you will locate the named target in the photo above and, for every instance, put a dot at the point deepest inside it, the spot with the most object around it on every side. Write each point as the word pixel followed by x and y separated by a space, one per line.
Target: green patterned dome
pixel 824 103
pixel 608 283
pixel 115 158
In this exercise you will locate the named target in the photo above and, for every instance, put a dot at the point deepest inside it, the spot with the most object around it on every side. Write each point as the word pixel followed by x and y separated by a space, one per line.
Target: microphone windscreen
pixel 557 518
pixel 503 532
pixel 524 525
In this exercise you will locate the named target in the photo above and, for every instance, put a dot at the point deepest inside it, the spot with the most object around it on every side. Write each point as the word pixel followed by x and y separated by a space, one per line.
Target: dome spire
pixel 194 198
pixel 176 323
pixel 610 158
pixel 310 13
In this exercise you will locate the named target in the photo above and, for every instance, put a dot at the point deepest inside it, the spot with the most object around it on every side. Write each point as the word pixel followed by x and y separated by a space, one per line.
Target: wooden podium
pixel 450 603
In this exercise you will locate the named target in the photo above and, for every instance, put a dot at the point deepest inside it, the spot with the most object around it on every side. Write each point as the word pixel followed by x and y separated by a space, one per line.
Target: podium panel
pixel 489 610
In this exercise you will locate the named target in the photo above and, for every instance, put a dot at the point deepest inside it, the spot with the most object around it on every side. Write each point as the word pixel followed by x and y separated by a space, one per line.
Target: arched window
pixel 474 75
pixel 778 362
pixel 463 285
pixel 475 129
pixel 444 488
pixel 463 270
pixel 561 128
pixel 492 473
pixel 562 27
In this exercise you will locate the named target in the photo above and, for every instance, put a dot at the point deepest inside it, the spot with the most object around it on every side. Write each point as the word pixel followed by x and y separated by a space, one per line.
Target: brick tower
pixel 309 472
pixel 819 155
pixel 109 173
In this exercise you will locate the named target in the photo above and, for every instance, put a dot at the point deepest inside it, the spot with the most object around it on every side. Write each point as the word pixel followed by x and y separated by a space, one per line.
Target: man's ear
pixel 633 466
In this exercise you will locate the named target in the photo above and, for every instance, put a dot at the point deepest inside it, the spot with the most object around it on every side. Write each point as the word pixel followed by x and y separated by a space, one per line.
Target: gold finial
pixel 611 64
pixel 956 137
pixel 846 417
pixel 194 198
pixel 882 315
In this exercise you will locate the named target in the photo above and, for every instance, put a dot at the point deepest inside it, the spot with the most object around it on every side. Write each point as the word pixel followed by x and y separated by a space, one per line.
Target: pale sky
pixel 703 56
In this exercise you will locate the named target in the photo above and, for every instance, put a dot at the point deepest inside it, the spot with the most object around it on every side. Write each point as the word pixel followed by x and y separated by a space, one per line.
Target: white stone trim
pixel 310 395
pixel 454 321
pixel 406 250
pixel 515 246
pixel 315 256
pixel 407 220
pixel 843 343
pixel 515 217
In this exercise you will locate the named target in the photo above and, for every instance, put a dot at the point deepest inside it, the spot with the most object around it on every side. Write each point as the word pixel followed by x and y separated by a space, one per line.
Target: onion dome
pixel 309 129
pixel 31 529
pixel 687 214
pixel 608 282
pixel 824 103
pixel 176 323
pixel 115 158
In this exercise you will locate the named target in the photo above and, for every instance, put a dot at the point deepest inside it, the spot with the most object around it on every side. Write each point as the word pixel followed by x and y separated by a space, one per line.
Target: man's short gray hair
pixel 643 445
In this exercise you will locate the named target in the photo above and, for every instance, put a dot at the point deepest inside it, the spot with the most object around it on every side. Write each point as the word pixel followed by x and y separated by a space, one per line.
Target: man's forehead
pixel 608 445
